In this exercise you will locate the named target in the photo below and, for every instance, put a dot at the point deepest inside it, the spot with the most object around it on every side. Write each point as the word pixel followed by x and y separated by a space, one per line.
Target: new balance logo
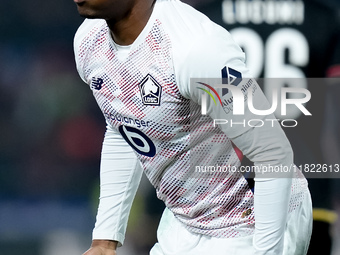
pixel 97 83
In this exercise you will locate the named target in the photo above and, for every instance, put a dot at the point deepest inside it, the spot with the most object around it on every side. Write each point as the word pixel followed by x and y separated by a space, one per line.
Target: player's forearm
pixel 269 148
pixel 119 179
pixel 271 212
pixel 271 203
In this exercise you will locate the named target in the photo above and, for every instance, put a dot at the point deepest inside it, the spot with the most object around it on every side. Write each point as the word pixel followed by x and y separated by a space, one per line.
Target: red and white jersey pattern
pixel 140 92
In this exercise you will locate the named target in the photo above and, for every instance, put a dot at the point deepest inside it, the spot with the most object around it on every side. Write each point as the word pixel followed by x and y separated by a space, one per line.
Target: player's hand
pixel 102 247
pixel 99 251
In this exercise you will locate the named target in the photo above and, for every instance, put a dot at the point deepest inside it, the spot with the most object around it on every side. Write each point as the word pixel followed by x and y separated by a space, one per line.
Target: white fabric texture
pixel 170 50
pixel 175 239
pixel 120 174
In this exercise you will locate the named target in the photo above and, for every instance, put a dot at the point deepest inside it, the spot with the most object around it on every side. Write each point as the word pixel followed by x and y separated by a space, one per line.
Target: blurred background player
pixel 295 39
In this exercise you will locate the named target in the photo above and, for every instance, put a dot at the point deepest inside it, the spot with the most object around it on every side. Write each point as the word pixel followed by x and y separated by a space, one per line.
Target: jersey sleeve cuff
pixel 109 236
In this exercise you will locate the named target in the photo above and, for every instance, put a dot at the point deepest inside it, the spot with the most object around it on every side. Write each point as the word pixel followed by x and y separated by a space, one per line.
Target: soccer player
pixel 138 57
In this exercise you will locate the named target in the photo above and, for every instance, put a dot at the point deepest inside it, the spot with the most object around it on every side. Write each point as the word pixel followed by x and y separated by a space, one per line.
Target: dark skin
pixel 126 20
pixel 102 247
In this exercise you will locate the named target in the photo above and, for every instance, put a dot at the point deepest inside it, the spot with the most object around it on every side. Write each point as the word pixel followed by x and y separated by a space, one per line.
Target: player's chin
pixel 88 13
pixel 88 16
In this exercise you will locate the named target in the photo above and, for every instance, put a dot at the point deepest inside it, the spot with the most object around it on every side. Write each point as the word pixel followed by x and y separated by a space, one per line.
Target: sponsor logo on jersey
pixel 96 83
pixel 112 116
pixel 229 76
pixel 150 91
pixel 138 140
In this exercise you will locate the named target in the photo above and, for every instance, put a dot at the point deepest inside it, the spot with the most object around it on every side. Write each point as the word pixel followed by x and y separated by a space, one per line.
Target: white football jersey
pixel 144 93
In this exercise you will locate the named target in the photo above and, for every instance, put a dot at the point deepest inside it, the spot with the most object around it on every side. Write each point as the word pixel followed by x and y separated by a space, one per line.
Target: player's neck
pixel 126 30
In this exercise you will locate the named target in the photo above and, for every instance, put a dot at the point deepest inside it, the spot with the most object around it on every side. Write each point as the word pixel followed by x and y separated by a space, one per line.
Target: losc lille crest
pixel 150 91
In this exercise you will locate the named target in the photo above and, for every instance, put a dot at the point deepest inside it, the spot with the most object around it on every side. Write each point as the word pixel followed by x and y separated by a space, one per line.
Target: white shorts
pixel 175 239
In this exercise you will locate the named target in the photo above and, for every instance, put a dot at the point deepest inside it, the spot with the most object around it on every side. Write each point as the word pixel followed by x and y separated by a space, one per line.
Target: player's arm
pixel 120 171
pixel 120 174
pixel 267 146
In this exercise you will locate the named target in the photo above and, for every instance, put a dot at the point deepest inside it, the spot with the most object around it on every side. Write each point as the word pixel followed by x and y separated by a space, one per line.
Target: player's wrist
pixel 106 244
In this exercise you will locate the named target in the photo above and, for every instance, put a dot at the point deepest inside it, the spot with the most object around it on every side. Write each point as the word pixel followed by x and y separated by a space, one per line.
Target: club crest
pixel 150 91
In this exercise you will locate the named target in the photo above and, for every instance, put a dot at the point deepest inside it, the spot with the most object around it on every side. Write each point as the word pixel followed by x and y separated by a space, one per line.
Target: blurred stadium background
pixel 50 138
